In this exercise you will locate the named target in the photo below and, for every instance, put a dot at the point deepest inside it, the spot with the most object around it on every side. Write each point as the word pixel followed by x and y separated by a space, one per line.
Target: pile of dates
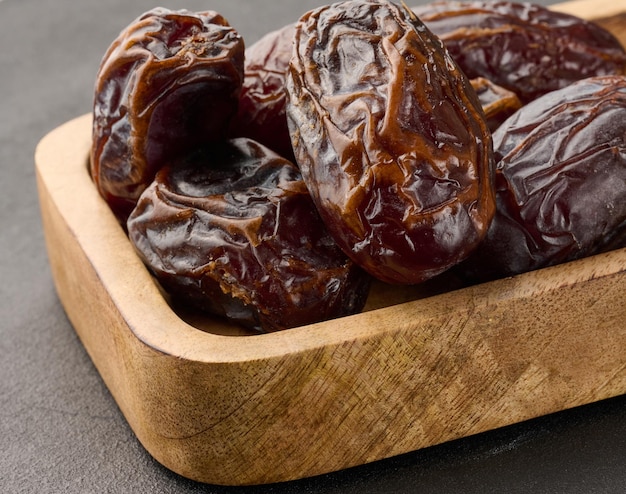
pixel 271 184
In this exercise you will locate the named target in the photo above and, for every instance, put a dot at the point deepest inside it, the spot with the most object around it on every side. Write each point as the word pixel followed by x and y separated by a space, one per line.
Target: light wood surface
pixel 236 410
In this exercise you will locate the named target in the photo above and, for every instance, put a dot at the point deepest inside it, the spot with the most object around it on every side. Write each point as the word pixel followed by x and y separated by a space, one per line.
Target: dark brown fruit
pixel 498 103
pixel 261 113
pixel 170 81
pixel 232 230
pixel 561 181
pixel 523 47
pixel 391 140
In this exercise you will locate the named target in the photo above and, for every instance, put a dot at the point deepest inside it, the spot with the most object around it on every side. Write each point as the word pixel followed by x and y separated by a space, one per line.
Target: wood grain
pixel 404 375
pixel 610 14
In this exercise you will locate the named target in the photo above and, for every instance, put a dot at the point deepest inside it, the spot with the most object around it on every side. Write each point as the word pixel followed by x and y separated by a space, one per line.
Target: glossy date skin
pixel 561 181
pixel 498 103
pixel 170 81
pixel 232 230
pixel 261 114
pixel 391 140
pixel 523 47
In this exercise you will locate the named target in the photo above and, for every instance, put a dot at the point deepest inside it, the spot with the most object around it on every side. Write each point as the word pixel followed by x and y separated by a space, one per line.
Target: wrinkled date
pixel 523 47
pixel 261 113
pixel 498 103
pixel 232 230
pixel 391 140
pixel 169 82
pixel 561 181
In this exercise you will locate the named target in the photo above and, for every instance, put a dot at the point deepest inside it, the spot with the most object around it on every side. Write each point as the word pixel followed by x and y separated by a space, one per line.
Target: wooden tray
pixel 238 410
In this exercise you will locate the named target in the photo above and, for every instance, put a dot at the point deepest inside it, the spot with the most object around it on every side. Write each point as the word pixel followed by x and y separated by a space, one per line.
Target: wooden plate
pixel 219 406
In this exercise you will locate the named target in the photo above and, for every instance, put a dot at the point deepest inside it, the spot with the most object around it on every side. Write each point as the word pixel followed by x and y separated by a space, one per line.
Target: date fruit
pixel 261 115
pixel 523 47
pixel 560 181
pixel 498 103
pixel 170 81
pixel 391 140
pixel 231 229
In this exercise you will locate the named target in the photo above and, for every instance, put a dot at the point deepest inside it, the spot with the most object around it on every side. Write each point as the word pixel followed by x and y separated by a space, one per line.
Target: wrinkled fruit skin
pixel 498 103
pixel 232 230
pixel 169 82
pixel 561 181
pixel 261 113
pixel 390 138
pixel 492 39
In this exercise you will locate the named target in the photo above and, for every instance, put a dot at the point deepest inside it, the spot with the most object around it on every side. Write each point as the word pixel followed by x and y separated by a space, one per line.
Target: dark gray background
pixel 61 431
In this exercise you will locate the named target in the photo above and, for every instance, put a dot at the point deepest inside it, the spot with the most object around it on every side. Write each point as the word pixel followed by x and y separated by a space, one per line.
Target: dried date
pixel 391 139
pixel 498 103
pixel 261 114
pixel 523 47
pixel 560 181
pixel 170 81
pixel 232 230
